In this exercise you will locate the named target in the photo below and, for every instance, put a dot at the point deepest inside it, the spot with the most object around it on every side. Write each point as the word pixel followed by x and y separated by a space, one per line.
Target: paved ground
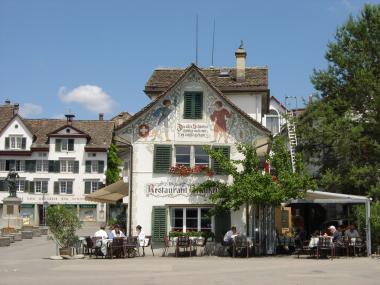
pixel 25 263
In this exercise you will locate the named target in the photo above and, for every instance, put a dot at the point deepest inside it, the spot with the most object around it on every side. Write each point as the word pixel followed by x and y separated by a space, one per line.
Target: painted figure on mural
pixel 220 124
pixel 163 112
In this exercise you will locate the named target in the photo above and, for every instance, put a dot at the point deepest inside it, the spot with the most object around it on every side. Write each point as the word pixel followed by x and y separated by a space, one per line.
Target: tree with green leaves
pixel 113 164
pixel 251 185
pixel 339 134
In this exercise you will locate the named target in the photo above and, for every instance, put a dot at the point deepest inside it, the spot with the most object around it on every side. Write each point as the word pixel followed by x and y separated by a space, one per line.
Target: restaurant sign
pixel 168 189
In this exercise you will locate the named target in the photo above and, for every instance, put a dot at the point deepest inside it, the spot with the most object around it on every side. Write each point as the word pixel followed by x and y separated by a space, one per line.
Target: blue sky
pixel 91 56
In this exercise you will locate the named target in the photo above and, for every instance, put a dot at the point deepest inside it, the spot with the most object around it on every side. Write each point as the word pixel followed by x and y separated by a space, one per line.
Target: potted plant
pixel 63 224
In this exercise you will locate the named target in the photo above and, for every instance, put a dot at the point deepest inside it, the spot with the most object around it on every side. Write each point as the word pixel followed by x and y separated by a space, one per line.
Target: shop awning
pixel 321 197
pixel 109 194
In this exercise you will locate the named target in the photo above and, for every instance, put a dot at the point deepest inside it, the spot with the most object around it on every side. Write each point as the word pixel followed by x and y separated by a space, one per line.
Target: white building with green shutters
pixel 58 162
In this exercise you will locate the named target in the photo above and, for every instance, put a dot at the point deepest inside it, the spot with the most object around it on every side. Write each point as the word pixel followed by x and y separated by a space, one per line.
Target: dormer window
pixel 15 142
pixel 193 105
pixel 64 145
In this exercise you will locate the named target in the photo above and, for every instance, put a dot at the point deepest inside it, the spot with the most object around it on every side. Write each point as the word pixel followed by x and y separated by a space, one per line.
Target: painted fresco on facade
pixel 220 123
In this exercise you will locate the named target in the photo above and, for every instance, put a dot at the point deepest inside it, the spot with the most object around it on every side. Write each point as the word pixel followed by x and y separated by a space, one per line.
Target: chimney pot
pixel 240 55
pixel 101 116
pixel 7 101
pixel 16 107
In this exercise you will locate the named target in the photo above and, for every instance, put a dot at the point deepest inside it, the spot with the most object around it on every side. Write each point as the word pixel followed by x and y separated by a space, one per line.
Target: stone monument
pixel 11 204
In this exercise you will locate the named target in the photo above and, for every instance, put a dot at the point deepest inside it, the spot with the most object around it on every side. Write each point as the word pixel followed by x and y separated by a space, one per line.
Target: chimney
pixel 69 118
pixel 7 102
pixel 15 108
pixel 101 116
pixel 240 55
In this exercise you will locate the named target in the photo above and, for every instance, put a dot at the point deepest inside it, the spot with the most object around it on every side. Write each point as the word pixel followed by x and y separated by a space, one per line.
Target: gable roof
pixel 80 132
pixel 100 132
pixel 194 67
pixel 256 78
pixel 6 115
pixel 278 102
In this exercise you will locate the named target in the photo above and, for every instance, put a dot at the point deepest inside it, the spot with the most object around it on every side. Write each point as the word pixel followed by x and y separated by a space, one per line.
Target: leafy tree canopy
pixel 250 184
pixel 340 133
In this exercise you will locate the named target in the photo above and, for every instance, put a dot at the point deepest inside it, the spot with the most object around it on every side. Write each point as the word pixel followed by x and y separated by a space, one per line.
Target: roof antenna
pixel 196 41
pixel 213 45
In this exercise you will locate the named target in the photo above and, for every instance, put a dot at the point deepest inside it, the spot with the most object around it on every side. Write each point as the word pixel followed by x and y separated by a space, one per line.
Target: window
pixel 67 165
pixel 200 155
pixel 91 186
pixel 2 165
pixel 64 144
pixel 191 219
pixel 17 165
pixel 15 142
pixel 94 166
pixel 182 155
pixel 65 187
pixel 273 121
pixel 41 186
pixel 20 185
pixel 162 158
pixel 42 166
pixel 193 105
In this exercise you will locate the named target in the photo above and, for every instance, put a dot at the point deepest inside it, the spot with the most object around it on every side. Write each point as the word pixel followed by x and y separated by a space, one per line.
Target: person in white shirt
pixel 101 232
pixel 116 232
pixel 229 236
pixel 351 232
pixel 140 235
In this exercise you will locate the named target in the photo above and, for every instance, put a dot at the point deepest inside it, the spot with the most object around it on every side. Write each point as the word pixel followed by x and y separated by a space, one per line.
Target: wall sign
pixel 174 190
pixel 193 130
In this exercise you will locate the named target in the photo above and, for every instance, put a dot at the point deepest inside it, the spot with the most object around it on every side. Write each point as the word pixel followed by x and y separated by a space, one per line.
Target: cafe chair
pixel 240 244
pixel 147 243
pixel 183 242
pixel 117 248
pixel 167 246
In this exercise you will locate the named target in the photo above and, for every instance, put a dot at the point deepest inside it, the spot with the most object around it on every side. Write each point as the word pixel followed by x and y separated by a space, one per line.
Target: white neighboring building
pixel 58 161
pixel 191 107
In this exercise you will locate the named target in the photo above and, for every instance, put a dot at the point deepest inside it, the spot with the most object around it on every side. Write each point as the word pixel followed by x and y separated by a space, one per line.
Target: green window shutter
pixel 44 187
pixel 162 159
pixel 56 187
pixel 100 166
pixel 58 143
pixel 57 166
pixel 6 143
pixel 88 166
pixel 69 187
pixel 222 224
pixel 216 167
pixel 198 106
pixel 76 166
pixel 31 186
pixel 159 225
pixel 51 165
pixel 193 105
pixel 30 165
pixel 70 146
pixel 87 187
pixel 23 143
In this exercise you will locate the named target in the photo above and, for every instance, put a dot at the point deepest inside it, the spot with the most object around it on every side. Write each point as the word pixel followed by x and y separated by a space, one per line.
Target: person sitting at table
pixel 230 235
pixel 140 235
pixel 351 232
pixel 101 232
pixel 116 232
pixel 335 234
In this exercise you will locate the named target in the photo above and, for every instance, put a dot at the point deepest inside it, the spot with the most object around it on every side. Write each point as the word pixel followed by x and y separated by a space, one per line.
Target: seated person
pixel 335 234
pixel 229 236
pixel 140 235
pixel 351 232
pixel 101 232
pixel 116 232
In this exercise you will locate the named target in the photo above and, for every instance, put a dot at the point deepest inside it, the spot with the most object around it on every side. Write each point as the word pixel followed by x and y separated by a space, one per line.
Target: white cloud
pixel 91 97
pixel 30 110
